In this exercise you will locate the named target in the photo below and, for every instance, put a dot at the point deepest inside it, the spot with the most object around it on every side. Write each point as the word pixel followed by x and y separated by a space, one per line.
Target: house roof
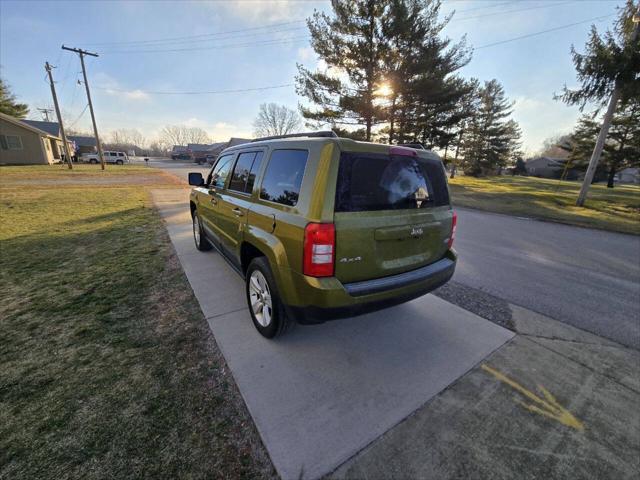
pixel 179 149
pixel 546 161
pixel 198 147
pixel 82 141
pixel 25 125
pixel 52 128
pixel 233 141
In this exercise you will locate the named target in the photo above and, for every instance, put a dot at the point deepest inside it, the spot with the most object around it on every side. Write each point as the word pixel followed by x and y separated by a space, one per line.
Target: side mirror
pixel 195 179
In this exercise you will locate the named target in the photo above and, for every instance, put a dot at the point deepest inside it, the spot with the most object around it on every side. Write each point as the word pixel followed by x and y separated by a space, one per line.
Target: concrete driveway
pixel 322 393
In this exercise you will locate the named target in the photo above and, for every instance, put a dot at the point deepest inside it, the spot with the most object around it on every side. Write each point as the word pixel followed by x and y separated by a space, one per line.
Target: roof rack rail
pixel 416 145
pixel 323 133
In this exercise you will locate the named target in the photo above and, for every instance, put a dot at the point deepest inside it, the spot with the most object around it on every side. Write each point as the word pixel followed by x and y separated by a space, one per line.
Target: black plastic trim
pixel 378 285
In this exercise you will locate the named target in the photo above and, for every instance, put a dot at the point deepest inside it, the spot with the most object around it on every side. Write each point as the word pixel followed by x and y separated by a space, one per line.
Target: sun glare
pixel 384 90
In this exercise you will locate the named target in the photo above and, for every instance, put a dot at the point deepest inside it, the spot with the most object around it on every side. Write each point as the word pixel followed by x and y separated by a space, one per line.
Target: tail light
pixel 454 223
pixel 319 249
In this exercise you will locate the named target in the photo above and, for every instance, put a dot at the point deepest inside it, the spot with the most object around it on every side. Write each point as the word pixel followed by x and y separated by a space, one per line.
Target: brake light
pixel 319 249
pixel 454 226
pixel 404 151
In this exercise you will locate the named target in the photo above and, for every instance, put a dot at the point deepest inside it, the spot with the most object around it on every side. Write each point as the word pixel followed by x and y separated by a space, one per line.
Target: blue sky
pixel 31 33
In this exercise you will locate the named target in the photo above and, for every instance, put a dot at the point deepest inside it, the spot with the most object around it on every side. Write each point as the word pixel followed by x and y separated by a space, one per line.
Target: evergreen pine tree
pixel 351 43
pixel 491 140
pixel 622 148
pixel 8 103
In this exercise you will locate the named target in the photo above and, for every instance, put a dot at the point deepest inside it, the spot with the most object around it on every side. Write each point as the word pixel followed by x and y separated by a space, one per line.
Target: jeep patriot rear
pixel 323 227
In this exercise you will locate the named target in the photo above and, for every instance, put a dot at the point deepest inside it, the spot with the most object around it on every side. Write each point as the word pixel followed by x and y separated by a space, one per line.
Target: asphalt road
pixel 587 278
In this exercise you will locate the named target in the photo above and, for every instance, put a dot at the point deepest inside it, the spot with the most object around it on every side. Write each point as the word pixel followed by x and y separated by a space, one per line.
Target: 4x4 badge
pixel 416 232
pixel 350 260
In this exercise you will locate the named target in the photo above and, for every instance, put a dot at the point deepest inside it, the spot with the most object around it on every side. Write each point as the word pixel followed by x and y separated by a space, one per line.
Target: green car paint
pixel 385 244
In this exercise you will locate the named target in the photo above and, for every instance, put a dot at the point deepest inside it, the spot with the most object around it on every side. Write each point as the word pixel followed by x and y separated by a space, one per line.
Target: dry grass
pixel 616 209
pixel 108 368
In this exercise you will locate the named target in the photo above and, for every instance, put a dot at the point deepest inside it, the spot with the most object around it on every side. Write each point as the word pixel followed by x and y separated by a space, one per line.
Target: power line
pixel 561 27
pixel 216 47
pixel 282 41
pixel 537 7
pixel 79 116
pixel 205 40
pixel 203 35
pixel 211 92
pixel 483 7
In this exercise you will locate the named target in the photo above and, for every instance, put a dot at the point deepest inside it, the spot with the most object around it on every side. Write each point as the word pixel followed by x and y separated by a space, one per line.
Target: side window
pixel 252 173
pixel 282 180
pixel 14 142
pixel 244 172
pixel 120 154
pixel 221 171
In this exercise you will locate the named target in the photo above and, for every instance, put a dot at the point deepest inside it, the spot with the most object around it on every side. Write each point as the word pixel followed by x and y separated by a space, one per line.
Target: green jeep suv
pixel 323 227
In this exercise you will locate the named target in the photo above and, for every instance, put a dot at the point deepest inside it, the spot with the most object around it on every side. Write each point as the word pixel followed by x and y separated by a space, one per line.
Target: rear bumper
pixel 339 300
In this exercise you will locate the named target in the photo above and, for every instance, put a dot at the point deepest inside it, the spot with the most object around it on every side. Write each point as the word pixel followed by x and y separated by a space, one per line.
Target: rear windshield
pixel 369 181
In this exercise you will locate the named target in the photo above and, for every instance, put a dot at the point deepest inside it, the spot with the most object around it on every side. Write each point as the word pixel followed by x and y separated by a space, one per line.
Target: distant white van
pixel 110 156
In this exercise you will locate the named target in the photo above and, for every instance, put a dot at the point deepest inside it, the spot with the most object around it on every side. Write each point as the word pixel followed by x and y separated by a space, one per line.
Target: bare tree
pixel 125 139
pixel 173 135
pixel 274 119
pixel 181 135
pixel 196 135
pixel 558 146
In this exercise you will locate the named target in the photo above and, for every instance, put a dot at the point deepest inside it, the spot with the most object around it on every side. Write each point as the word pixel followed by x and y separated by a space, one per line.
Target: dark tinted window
pixel 244 173
pixel 283 177
pixel 220 172
pixel 381 182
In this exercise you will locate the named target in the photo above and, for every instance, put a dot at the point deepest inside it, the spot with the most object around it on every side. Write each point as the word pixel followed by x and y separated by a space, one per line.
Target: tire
pixel 270 321
pixel 199 238
pixel 119 162
pixel 94 161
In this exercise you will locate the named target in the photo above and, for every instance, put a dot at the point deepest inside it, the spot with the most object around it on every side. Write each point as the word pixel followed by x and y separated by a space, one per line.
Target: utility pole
pixel 45 112
pixel 606 124
pixel 65 144
pixel 82 53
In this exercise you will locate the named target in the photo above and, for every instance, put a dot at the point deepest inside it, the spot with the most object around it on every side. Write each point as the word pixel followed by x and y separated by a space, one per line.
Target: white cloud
pixel 306 53
pixel 108 84
pixel 267 11
pixel 541 118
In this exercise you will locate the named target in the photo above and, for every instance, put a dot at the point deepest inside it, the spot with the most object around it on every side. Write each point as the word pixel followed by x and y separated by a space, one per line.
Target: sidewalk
pixel 496 422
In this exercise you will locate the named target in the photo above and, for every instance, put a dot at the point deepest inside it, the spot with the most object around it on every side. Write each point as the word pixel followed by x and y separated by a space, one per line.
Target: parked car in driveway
pixel 323 227
pixel 119 158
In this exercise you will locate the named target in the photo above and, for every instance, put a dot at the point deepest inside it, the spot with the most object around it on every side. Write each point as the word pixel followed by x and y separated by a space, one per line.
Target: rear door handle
pixel 214 201
pixel 237 212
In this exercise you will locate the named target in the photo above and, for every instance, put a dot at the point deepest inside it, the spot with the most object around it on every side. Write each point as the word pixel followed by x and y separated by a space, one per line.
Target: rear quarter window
pixel 283 176
pixel 369 182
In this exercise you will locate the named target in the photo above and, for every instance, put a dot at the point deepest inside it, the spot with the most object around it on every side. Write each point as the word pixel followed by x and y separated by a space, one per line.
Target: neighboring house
pixel 628 175
pixel 199 152
pixel 548 167
pixel 180 152
pixel 52 128
pixel 83 144
pixel 21 143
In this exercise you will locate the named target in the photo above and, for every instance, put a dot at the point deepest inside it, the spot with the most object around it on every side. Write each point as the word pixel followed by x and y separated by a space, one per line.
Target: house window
pixel 10 142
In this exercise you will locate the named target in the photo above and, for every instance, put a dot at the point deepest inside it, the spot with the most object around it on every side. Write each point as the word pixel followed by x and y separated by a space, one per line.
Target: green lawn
pixel 615 209
pixel 108 368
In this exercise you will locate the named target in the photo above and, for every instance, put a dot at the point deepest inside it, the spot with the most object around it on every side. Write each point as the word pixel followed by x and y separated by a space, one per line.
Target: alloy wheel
pixel 260 298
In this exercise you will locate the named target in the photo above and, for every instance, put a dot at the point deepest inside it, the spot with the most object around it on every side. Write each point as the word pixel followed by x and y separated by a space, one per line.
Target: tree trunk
pixel 612 174
pixel 392 120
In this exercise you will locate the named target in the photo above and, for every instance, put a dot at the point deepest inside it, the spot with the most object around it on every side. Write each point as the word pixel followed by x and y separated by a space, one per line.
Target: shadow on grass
pixel 108 367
